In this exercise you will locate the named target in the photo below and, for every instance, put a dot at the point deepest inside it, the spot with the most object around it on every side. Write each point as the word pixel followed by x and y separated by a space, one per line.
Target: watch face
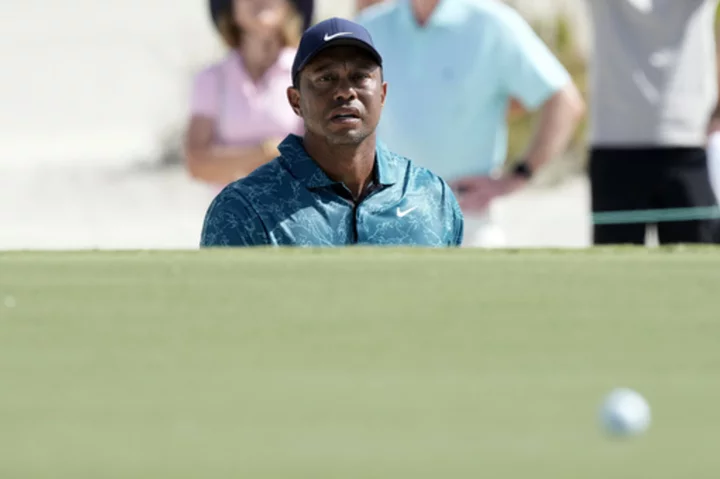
pixel 522 169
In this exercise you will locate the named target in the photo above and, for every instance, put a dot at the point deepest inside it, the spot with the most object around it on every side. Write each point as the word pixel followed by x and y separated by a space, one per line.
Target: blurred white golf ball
pixel 624 413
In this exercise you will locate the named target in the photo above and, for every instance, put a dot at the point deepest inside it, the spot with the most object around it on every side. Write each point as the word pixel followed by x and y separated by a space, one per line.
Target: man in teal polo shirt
pixel 336 186
pixel 453 67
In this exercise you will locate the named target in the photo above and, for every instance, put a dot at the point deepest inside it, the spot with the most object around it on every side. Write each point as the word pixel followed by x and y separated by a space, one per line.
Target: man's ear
pixel 384 92
pixel 293 96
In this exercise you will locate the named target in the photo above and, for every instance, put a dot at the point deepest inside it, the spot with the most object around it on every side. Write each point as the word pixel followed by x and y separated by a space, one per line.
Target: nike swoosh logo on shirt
pixel 327 37
pixel 400 213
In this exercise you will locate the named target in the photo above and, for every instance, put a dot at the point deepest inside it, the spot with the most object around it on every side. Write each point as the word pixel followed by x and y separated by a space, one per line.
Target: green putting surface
pixel 356 363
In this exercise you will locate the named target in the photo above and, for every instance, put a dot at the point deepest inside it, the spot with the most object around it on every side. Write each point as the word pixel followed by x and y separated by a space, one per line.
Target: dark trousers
pixel 651 178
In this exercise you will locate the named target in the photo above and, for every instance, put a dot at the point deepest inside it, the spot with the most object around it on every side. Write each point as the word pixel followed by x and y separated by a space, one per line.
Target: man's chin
pixel 348 137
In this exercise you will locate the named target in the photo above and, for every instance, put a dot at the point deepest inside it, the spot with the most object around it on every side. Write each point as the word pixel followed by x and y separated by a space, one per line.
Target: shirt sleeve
pixel 205 93
pixel 529 70
pixel 231 222
pixel 455 217
pixel 458 226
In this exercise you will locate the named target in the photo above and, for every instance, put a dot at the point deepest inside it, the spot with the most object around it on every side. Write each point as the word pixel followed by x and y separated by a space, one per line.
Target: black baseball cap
pixel 329 33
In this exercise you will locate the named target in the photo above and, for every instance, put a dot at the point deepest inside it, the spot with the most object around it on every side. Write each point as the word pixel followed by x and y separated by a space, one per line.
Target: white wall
pixel 86 80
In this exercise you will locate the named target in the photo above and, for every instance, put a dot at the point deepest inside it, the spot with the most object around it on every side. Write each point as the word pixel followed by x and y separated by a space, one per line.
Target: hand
pixel 475 193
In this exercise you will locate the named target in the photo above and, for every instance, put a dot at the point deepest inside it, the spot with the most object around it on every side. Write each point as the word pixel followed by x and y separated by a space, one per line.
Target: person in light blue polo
pixel 454 67
pixel 336 185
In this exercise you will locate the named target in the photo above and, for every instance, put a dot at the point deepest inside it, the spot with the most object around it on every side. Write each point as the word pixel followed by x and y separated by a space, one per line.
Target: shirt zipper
pixel 356 204
pixel 354 222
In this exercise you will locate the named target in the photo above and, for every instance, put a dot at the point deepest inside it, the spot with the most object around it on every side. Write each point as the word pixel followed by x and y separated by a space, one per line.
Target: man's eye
pixel 361 76
pixel 325 78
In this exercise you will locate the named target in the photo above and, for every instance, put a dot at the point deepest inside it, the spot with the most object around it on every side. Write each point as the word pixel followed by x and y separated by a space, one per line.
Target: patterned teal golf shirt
pixel 292 202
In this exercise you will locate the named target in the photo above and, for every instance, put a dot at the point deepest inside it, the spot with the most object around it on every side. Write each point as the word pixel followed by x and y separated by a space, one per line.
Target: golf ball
pixel 625 412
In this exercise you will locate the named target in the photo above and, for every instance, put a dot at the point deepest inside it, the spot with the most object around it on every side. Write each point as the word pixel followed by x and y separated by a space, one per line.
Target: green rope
pixel 656 216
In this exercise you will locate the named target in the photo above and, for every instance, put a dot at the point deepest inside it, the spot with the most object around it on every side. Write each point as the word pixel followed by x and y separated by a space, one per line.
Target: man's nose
pixel 344 90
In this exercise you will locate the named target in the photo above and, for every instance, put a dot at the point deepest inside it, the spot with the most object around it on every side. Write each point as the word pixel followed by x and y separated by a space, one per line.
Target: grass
pixel 356 363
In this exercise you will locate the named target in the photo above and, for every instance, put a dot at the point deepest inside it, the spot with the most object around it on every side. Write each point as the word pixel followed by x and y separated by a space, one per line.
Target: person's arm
pixel 515 110
pixel 205 160
pixel 534 76
pixel 456 220
pixel 231 222
pixel 213 163
pixel 558 119
pixel 458 225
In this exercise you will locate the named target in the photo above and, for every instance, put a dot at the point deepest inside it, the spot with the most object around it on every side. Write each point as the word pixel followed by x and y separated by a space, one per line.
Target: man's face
pixel 340 95
pixel 260 16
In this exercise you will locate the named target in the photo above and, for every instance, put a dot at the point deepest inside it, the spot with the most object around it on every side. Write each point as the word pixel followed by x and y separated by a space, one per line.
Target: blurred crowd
pixel 456 70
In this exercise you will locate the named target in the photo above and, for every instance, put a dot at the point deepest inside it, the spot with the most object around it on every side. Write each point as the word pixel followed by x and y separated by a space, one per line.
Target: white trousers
pixel 713 155
pixel 482 232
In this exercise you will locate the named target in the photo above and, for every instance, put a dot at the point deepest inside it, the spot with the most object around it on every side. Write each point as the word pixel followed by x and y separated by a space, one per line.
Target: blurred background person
pixel 453 70
pixel 239 111
pixel 307 11
pixel 361 5
pixel 653 101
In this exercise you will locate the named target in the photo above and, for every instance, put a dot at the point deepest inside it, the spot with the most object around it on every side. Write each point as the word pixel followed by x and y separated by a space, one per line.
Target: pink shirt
pixel 246 113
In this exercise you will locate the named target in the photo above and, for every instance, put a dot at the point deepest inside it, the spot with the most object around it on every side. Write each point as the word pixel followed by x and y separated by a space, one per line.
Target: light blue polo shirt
pixel 292 202
pixel 450 82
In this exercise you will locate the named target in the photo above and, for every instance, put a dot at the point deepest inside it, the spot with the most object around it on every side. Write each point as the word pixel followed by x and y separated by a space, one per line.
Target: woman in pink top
pixel 239 111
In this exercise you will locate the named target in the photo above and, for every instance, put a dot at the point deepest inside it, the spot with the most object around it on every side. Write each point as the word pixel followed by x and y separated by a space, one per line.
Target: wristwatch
pixel 522 169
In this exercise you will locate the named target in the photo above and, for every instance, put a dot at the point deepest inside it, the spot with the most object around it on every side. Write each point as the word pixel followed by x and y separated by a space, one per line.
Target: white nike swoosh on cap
pixel 327 37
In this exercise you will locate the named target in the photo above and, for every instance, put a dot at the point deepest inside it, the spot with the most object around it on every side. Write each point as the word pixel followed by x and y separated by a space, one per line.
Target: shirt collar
pixel 445 14
pixel 304 169
pixel 385 172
